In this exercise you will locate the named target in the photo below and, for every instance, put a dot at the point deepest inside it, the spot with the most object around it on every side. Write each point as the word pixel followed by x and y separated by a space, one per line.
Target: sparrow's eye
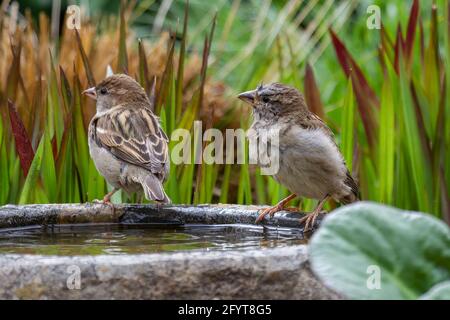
pixel 103 91
pixel 265 99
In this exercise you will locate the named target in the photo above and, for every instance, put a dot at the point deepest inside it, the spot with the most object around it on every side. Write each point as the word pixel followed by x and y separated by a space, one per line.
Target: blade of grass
pixel 80 146
pixel 418 164
pixel 386 141
pixel 4 176
pixel 12 82
pixel 411 32
pixel 86 64
pixel 143 69
pixel 312 94
pixel 348 125
pixel 33 176
pixel 180 73
pixel 122 62
pixel 48 171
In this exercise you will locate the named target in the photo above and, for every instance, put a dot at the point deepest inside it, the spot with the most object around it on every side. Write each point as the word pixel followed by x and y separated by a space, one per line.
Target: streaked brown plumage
pixel 310 163
pixel 126 142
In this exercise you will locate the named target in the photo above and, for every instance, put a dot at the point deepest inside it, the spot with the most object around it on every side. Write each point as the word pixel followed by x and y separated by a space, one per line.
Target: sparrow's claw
pixel 309 220
pixel 106 202
pixel 272 210
pixel 268 211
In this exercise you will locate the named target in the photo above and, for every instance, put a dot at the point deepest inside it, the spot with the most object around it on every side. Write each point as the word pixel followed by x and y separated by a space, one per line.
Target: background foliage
pixel 383 92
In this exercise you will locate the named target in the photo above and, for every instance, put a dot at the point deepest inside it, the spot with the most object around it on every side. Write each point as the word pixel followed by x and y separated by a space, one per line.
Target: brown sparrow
pixel 310 164
pixel 126 142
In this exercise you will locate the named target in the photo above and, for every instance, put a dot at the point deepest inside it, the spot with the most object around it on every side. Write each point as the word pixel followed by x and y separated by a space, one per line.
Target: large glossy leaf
pixel 359 244
pixel 441 291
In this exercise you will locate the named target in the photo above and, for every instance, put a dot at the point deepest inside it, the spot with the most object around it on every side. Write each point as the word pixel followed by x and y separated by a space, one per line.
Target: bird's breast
pixel 108 165
pixel 310 163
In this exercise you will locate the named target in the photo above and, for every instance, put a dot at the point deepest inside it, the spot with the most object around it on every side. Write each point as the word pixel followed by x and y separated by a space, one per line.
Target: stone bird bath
pixel 255 273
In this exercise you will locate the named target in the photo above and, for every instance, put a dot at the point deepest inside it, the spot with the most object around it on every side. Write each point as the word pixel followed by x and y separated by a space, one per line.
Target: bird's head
pixel 116 90
pixel 275 100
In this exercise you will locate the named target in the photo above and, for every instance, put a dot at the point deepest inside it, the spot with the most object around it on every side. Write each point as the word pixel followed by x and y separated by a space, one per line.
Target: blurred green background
pixel 404 100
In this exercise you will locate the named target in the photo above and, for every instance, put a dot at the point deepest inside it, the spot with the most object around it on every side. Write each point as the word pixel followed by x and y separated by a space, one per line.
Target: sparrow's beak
pixel 248 96
pixel 91 93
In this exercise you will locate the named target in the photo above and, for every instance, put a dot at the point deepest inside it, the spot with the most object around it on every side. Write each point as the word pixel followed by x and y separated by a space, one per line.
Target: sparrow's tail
pixel 353 195
pixel 154 189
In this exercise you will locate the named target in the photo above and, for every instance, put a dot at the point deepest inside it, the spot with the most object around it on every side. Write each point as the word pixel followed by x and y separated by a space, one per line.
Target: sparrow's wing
pixel 313 121
pixel 134 136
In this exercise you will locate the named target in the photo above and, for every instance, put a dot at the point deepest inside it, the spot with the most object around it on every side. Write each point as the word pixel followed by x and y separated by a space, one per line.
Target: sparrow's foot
pixel 107 199
pixel 106 202
pixel 268 211
pixel 272 210
pixel 310 219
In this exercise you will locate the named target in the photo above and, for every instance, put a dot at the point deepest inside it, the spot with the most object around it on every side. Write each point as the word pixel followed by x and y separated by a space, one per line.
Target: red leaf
pixel 365 96
pixel 54 143
pixel 411 31
pixel 350 66
pixel 342 53
pixel 23 143
pixel 312 94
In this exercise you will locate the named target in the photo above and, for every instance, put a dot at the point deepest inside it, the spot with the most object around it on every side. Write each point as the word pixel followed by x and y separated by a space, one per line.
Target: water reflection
pixel 119 239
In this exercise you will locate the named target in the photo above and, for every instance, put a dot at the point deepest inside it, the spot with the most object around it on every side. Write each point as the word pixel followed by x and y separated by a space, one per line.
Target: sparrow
pixel 310 163
pixel 126 142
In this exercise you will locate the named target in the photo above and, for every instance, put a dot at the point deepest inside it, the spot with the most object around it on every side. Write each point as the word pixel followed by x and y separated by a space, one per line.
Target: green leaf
pixel 48 172
pixel 441 291
pixel 409 251
pixel 386 141
pixel 421 170
pixel 80 145
pixel 96 183
pixel 33 174
pixel 4 176
pixel 55 106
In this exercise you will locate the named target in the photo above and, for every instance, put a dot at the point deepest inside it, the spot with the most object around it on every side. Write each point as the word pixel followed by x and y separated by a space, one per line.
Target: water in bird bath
pixel 119 239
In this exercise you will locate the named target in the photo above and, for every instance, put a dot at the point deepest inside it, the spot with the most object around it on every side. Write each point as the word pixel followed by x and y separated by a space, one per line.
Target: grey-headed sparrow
pixel 126 142
pixel 310 164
